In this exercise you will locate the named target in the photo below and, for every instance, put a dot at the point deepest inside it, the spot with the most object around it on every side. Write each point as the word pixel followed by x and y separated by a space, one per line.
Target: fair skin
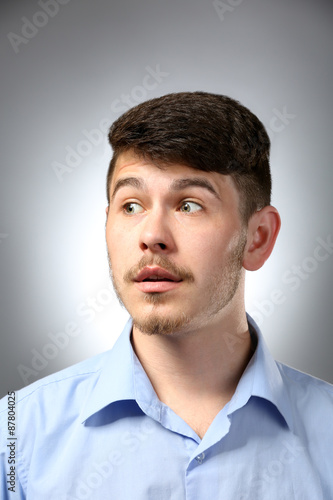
pixel 182 226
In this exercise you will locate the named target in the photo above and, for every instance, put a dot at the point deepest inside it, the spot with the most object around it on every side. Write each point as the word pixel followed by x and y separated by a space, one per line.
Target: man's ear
pixel 263 228
pixel 107 210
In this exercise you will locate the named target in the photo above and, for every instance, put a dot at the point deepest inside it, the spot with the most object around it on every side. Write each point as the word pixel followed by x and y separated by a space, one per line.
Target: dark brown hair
pixel 210 132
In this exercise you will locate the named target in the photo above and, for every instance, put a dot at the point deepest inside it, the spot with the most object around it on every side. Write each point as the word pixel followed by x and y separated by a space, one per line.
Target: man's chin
pixel 155 324
pixel 153 313
pixel 155 298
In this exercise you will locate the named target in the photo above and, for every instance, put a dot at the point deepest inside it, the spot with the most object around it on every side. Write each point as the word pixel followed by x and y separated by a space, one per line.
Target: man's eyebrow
pixel 135 182
pixel 179 184
pixel 176 184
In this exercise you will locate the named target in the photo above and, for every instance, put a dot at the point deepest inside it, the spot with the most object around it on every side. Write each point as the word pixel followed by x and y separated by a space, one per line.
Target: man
pixel 188 404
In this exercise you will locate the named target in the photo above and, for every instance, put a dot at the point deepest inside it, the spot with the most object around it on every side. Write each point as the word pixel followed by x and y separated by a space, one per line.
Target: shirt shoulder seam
pixel 42 385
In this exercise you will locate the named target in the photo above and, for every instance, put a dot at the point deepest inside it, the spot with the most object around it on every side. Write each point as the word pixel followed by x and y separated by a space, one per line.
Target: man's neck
pixel 196 370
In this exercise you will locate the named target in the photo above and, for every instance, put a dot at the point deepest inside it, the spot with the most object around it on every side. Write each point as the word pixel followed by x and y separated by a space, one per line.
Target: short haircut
pixel 206 131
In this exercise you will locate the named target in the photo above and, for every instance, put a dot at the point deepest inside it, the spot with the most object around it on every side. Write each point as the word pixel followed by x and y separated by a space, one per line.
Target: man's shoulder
pixel 302 382
pixel 310 397
pixel 59 385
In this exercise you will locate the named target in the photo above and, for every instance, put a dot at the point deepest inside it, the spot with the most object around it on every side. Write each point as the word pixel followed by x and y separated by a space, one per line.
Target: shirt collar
pixel 262 378
pixel 115 380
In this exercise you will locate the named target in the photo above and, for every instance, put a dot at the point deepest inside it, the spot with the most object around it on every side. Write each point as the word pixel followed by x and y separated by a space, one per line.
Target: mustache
pixel 181 272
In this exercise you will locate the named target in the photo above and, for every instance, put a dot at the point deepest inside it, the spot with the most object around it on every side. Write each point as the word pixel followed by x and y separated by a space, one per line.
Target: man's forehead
pixel 131 164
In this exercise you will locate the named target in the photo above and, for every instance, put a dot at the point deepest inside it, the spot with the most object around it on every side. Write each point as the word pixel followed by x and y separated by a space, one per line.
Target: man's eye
pixel 190 207
pixel 132 208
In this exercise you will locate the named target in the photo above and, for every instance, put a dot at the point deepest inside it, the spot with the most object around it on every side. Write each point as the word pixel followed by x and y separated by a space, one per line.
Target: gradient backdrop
pixel 69 69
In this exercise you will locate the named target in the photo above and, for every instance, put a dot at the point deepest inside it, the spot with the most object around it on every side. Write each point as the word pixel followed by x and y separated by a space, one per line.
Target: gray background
pixel 70 76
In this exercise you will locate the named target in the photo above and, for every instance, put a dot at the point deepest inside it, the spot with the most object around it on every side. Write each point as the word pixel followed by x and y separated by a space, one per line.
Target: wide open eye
pixel 132 208
pixel 190 207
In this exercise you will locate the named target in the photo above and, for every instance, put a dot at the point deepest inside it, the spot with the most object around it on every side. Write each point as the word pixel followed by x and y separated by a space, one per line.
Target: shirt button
pixel 200 458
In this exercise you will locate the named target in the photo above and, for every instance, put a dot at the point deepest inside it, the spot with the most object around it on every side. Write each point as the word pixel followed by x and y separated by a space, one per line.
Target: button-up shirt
pixel 97 430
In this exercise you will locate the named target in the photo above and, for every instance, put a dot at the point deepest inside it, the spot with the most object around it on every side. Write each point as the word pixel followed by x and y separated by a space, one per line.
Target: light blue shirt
pixel 97 430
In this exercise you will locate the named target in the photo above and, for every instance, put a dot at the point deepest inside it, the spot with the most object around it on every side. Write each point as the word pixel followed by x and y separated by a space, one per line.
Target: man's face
pixel 175 242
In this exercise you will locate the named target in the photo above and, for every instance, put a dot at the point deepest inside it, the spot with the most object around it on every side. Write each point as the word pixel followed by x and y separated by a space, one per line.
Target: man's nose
pixel 156 234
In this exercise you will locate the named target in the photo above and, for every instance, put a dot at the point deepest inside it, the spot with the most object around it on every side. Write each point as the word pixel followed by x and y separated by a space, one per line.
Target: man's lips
pixel 156 273
pixel 156 279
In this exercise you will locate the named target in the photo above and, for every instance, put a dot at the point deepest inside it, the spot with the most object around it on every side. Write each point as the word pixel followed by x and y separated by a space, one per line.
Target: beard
pixel 220 292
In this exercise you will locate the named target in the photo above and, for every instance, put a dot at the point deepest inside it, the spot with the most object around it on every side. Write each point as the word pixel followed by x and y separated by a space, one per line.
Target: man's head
pixel 189 192
pixel 209 132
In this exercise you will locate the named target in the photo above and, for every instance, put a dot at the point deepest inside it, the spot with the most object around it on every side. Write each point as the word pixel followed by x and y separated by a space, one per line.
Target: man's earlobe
pixel 107 210
pixel 263 229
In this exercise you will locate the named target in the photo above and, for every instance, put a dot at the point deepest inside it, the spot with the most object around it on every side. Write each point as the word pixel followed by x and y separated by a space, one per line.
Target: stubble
pixel 220 292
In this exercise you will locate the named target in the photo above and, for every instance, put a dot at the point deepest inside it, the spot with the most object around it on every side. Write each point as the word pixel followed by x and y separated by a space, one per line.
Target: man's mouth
pixel 156 279
pixel 156 274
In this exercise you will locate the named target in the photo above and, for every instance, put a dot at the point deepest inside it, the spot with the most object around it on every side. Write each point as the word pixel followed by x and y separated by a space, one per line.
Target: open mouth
pixel 156 279
pixel 156 274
